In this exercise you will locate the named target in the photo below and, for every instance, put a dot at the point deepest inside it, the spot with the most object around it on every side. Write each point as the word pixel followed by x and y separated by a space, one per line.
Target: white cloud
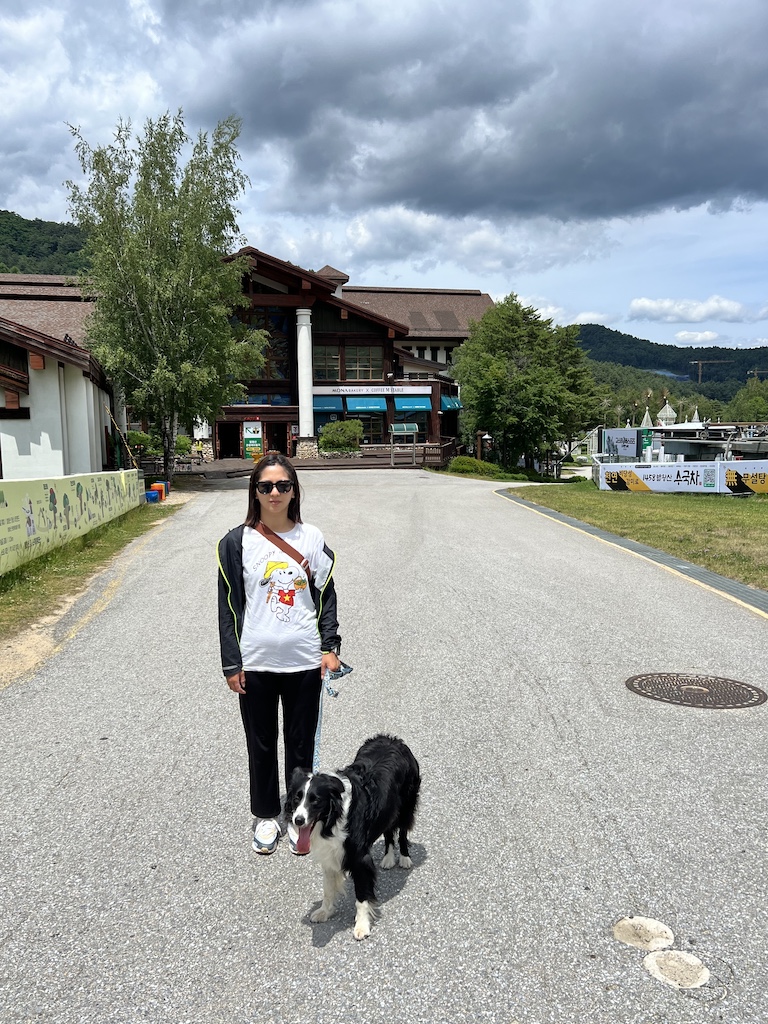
pixel 696 337
pixel 546 310
pixel 589 317
pixel 146 19
pixel 674 311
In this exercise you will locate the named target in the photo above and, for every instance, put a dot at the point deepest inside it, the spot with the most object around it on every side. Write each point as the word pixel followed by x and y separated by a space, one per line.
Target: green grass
pixel 725 534
pixel 64 571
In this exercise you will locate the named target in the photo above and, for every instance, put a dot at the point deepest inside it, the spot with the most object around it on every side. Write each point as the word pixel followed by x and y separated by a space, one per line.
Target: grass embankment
pixel 63 572
pixel 725 534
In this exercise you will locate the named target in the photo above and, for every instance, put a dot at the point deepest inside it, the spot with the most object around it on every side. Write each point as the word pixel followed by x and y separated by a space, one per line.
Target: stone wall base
pixel 306 448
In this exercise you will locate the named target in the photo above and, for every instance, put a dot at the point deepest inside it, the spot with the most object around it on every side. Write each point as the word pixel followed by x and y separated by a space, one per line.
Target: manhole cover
pixel 696 691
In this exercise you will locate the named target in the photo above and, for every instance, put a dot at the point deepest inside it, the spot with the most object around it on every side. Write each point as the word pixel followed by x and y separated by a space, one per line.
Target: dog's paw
pixel 320 915
pixel 365 911
pixel 406 862
pixel 388 860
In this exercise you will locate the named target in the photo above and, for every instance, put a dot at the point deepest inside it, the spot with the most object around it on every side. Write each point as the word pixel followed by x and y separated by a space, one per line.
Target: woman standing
pixel 279 633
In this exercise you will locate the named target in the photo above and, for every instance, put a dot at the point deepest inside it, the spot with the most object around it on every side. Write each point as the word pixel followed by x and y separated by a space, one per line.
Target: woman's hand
pixel 329 663
pixel 236 683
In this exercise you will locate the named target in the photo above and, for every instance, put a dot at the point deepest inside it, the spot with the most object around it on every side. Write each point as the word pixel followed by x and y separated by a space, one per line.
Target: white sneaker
pixel 266 835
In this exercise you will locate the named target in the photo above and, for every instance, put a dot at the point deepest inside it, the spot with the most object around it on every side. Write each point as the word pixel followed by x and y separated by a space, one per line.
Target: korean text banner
pixel 734 477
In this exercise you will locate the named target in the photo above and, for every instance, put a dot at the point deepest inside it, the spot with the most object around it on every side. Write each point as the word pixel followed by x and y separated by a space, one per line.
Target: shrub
pixel 138 439
pixel 341 436
pixel 143 445
pixel 183 444
pixel 474 467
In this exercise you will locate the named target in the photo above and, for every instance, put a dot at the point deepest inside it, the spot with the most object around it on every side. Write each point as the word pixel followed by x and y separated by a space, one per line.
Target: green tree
pixel 158 232
pixel 525 381
pixel 39 247
pixel 750 404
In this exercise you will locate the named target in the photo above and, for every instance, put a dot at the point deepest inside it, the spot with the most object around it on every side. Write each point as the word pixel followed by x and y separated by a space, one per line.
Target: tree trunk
pixel 169 431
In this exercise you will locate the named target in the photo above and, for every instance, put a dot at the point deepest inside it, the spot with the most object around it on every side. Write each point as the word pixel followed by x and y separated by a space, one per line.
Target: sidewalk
pixel 222 468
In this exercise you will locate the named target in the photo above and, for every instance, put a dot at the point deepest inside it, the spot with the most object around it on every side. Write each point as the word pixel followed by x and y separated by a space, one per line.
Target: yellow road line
pixel 25 666
pixel 645 558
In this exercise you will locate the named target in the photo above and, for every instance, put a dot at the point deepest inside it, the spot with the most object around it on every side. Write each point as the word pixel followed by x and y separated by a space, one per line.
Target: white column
pixel 304 362
pixel 64 422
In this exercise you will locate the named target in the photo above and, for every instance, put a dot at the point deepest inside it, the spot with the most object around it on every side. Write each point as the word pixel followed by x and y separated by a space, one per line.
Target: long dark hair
pixel 254 508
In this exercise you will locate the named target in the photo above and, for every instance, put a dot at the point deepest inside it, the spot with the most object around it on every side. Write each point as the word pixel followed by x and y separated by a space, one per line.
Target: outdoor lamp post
pixel 479 438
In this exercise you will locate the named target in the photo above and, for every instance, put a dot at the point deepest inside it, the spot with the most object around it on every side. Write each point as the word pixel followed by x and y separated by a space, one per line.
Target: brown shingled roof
pixel 48 303
pixel 428 312
pixel 337 276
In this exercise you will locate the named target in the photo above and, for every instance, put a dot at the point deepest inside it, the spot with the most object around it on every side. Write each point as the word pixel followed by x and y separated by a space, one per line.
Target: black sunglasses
pixel 283 486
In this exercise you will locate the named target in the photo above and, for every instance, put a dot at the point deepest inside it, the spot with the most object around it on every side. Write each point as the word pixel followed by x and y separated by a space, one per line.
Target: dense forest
pixel 39 246
pixel 723 370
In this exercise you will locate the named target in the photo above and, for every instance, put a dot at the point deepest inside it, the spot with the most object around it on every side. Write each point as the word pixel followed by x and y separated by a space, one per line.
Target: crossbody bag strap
pixel 278 541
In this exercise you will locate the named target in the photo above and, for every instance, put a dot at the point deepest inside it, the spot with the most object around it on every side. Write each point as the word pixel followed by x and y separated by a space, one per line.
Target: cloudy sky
pixel 606 161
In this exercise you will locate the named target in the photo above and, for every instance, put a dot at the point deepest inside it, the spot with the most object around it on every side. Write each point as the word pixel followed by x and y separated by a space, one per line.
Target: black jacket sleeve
pixel 327 619
pixel 231 600
pixel 325 604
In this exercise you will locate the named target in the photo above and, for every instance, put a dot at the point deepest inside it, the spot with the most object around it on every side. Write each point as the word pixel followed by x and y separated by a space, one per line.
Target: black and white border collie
pixel 340 815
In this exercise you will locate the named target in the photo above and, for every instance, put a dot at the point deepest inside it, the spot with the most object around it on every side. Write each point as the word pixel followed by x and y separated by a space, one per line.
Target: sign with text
pixel 733 477
pixel 253 440
pixel 371 389
pixel 622 443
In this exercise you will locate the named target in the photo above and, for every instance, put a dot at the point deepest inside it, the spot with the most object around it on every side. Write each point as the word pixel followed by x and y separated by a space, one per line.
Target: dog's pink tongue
pixel 305 833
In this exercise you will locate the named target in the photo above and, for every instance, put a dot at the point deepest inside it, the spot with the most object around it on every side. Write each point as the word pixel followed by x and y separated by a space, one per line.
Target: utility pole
pixel 701 362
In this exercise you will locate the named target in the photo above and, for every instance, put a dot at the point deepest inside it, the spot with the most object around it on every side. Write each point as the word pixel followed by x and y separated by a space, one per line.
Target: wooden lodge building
pixel 380 355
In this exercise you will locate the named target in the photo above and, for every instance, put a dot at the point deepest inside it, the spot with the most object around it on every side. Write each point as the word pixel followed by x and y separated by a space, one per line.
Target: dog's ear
pixel 295 786
pixel 335 793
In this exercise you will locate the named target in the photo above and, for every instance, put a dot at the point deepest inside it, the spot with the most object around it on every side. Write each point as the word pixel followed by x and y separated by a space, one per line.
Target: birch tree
pixel 159 214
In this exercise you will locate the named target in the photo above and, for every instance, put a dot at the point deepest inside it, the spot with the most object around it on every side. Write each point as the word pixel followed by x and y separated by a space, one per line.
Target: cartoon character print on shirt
pixel 282 581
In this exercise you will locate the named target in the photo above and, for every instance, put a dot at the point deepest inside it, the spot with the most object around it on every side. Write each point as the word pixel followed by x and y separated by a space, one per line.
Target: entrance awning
pixel 366 404
pixel 450 402
pixel 327 403
pixel 413 403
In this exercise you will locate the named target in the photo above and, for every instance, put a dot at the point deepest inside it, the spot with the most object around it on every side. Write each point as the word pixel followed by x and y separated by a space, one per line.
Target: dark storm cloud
pixel 500 109
pixel 543 109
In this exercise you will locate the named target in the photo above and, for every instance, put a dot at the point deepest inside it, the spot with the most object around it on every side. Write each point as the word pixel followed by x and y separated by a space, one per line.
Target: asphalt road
pixel 497 643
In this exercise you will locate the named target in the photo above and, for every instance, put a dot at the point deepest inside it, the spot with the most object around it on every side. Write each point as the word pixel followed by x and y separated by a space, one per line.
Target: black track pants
pixel 299 693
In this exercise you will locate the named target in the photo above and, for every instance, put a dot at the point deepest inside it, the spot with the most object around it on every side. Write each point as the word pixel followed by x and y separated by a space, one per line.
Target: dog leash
pixel 342 670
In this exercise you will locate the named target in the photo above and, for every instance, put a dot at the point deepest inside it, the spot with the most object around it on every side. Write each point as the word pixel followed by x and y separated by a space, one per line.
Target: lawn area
pixel 63 572
pixel 725 534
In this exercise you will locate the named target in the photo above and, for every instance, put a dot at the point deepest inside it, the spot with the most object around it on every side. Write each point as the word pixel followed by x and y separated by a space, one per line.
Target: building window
pixel 321 418
pixel 263 398
pixel 419 418
pixel 276 360
pixel 373 426
pixel 277 323
pixel 325 362
pixel 364 362
pixel 435 351
pixel 421 352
